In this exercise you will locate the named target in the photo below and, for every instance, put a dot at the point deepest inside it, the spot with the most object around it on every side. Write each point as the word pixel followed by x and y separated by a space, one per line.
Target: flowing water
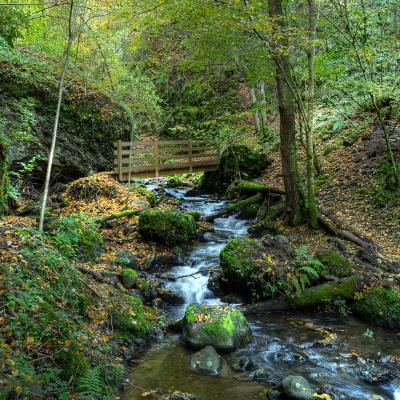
pixel 284 344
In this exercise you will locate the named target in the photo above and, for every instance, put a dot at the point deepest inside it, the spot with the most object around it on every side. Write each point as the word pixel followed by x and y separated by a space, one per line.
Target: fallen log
pixel 231 208
pixel 126 213
pixel 248 186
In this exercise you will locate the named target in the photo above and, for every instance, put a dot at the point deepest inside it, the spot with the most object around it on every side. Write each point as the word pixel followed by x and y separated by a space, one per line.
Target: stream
pixel 284 343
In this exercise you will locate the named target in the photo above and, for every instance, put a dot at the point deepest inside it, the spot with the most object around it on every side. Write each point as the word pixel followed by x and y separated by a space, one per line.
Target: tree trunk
pixel 287 118
pixel 312 204
pixel 71 21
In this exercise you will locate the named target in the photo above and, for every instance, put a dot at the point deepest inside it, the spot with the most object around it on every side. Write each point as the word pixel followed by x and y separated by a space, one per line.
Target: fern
pixel 90 386
pixel 294 281
pixel 304 281
pixel 309 271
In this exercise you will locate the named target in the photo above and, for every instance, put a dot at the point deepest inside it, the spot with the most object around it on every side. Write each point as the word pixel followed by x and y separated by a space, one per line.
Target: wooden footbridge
pixel 146 159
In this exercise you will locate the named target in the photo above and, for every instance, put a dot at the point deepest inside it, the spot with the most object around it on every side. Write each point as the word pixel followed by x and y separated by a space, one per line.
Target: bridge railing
pixel 163 158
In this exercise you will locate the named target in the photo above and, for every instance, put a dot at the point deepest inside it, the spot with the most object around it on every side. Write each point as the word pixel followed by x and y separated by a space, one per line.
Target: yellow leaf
pixel 29 341
pixel 324 396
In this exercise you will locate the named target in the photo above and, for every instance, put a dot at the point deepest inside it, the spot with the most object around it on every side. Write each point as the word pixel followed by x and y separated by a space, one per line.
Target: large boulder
pixel 127 259
pixel 257 268
pixel 224 328
pixel 207 361
pixel 167 226
pixel 298 388
pixel 241 161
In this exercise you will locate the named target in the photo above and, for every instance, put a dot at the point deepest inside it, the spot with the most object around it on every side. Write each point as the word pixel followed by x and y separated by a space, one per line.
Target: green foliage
pixel 384 190
pixel 168 226
pixel 380 306
pixel 12 21
pixel 76 236
pixel 7 194
pixel 148 194
pixel 90 386
pixel 241 162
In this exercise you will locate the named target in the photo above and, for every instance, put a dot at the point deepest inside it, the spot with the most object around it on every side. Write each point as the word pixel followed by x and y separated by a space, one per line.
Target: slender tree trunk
pixel 256 114
pixel 71 21
pixel 312 204
pixel 287 119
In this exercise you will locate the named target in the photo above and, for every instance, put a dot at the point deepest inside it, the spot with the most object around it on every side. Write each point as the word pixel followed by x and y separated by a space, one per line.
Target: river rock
pixel 242 364
pixel 298 388
pixel 224 328
pixel 261 375
pixel 128 260
pixel 162 262
pixel 170 296
pixel 207 361
pixel 182 396
pixel 375 374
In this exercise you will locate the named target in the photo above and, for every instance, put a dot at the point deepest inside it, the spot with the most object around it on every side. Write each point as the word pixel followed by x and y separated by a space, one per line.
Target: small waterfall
pixel 205 255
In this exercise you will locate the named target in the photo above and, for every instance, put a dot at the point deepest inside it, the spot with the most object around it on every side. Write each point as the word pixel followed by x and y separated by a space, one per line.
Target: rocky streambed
pixel 286 355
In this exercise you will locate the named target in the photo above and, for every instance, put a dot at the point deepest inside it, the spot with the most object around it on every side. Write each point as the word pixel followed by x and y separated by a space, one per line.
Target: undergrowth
pixel 55 336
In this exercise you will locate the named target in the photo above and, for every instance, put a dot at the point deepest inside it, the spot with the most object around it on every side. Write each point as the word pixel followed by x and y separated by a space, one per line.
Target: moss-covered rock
pixel 224 328
pixel 129 316
pixel 167 226
pixel 254 268
pixel 334 263
pixel 129 278
pixel 380 306
pixel 127 259
pixel 239 161
pixel 195 214
pixel 320 296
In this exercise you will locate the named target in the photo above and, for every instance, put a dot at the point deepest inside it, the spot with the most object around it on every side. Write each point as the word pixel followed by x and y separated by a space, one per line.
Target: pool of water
pixel 284 344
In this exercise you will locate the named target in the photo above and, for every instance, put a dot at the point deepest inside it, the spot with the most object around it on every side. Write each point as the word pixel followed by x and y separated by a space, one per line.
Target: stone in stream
pixel 375 374
pixel 170 296
pixel 298 388
pixel 242 364
pixel 207 361
pixel 181 396
pixel 222 327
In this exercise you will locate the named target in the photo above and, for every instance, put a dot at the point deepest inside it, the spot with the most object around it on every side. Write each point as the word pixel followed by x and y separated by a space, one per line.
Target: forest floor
pixel 350 187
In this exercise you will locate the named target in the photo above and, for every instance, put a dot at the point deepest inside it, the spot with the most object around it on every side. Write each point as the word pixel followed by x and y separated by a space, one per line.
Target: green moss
pixel 167 226
pixel 322 295
pixel 129 315
pixel 195 214
pixel 243 261
pixel 380 306
pixel 217 321
pixel 148 194
pixel 129 277
pixel 334 263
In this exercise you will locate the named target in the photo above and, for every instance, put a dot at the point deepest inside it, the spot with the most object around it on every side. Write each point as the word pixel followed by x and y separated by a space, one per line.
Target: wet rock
pixel 375 374
pixel 224 328
pixel 175 325
pixel 127 259
pixel 219 284
pixel 290 357
pixel 274 394
pixel 182 396
pixel 162 262
pixel 261 375
pixel 207 361
pixel 297 388
pixel 242 364
pixel 170 296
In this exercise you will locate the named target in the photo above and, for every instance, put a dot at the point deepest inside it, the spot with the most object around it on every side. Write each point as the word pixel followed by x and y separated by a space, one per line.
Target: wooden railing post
pixel 156 159
pixel 119 158
pixel 190 145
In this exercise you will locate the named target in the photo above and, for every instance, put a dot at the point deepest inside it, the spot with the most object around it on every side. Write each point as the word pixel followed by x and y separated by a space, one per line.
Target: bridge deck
pixel 141 159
